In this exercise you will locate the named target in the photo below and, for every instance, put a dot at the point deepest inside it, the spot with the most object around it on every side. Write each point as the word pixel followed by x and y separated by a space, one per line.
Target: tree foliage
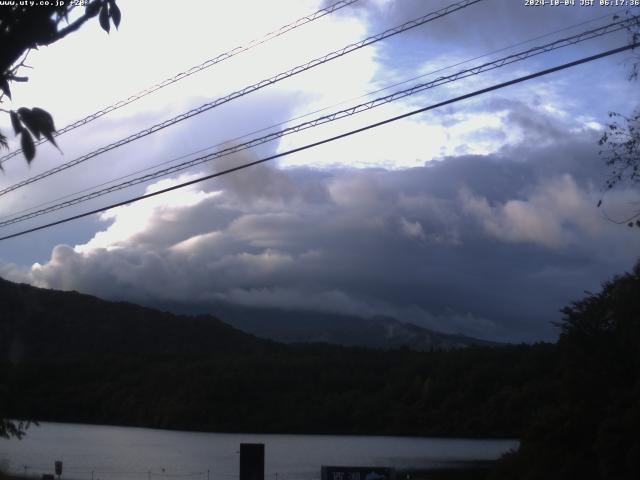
pixel 9 428
pixel 620 141
pixel 591 432
pixel 475 392
pixel 26 27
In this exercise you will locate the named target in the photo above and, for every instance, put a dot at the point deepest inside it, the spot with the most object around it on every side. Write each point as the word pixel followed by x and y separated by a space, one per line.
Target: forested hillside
pixel 38 323
pixel 312 389
pixel 72 357
pixel 574 404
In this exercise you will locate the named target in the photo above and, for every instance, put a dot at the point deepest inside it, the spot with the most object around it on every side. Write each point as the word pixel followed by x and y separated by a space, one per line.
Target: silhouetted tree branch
pixel 9 428
pixel 23 28
pixel 621 140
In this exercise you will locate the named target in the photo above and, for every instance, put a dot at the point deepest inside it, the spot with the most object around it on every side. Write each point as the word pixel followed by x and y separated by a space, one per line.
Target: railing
pixel 32 472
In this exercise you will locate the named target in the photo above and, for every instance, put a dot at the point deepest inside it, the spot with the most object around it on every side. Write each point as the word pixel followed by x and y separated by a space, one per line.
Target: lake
pixel 106 453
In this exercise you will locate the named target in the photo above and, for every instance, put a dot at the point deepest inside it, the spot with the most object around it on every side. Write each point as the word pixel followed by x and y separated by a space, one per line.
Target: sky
pixel 477 218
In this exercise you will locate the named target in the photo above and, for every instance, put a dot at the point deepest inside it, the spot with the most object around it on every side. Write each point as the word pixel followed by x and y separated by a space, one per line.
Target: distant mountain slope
pixel 37 322
pixel 347 330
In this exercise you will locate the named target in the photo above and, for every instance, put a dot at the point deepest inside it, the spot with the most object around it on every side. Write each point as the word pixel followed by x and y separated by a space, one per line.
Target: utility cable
pixel 464 62
pixel 195 69
pixel 319 110
pixel 313 112
pixel 330 139
pixel 516 57
pixel 252 88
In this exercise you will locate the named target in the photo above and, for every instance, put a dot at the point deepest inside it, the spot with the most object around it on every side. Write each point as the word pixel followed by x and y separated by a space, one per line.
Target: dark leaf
pixel 104 19
pixel 93 8
pixel 4 86
pixel 45 121
pixel 115 13
pixel 599 202
pixel 31 121
pixel 3 143
pixel 28 148
pixel 15 122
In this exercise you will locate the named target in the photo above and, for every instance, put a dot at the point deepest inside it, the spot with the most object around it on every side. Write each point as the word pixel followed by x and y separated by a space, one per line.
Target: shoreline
pixel 36 423
pixel 473 470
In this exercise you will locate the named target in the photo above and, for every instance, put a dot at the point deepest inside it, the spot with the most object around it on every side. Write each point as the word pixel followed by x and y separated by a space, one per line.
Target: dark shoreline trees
pixel 592 431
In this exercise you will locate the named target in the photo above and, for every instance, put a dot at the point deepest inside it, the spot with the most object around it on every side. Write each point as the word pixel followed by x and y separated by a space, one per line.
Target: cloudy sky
pixel 478 218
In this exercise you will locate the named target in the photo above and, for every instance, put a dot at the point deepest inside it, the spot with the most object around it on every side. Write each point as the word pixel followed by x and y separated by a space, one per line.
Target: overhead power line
pixel 195 69
pixel 58 201
pixel 503 49
pixel 58 206
pixel 252 88
pixel 508 60
pixel 330 139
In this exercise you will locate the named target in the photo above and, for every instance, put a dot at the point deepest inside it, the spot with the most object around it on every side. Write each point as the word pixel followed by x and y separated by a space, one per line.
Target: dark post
pixel 58 467
pixel 252 461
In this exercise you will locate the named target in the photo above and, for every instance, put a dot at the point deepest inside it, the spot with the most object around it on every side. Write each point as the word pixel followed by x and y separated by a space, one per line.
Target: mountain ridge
pixel 380 332
pixel 38 321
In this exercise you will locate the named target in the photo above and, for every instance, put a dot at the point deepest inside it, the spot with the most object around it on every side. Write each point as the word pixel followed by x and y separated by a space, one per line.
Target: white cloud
pixel 555 214
pixel 127 221
pixel 412 230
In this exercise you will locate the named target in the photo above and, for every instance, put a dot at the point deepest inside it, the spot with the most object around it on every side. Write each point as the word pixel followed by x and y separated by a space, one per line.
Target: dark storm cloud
pixel 490 246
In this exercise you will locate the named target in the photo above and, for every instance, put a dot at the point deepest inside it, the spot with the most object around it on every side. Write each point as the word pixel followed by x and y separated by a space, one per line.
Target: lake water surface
pixel 109 453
